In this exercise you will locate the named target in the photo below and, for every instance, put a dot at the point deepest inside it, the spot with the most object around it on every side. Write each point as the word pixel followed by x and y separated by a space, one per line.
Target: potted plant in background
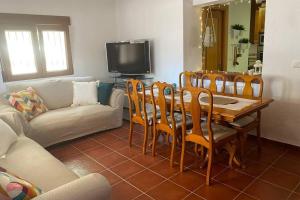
pixel 237 30
pixel 244 43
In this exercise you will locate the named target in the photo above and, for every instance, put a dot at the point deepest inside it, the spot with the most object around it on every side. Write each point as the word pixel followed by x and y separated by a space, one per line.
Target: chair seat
pixel 178 120
pixel 243 121
pixel 150 116
pixel 219 132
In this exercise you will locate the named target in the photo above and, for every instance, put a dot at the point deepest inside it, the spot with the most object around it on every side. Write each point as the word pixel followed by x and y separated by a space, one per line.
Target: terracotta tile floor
pixel 273 174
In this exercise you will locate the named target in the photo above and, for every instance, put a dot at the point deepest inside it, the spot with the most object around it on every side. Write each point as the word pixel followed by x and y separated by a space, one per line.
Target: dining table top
pixel 228 113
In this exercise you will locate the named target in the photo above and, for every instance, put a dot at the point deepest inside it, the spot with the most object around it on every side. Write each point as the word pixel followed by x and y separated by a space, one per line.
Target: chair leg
pixel 151 136
pixel 202 152
pixel 145 139
pixel 154 140
pixel 258 138
pixel 196 149
pixel 151 131
pixel 130 133
pixel 258 131
pixel 168 138
pixel 243 139
pixel 209 166
pixel 182 157
pixel 231 148
pixel 173 150
pixel 205 159
pixel 164 135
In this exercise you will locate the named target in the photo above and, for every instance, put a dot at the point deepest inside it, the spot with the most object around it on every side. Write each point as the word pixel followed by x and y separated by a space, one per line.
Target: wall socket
pixel 296 63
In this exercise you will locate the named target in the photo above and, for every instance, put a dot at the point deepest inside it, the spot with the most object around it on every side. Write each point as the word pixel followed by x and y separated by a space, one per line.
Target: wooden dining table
pixel 222 113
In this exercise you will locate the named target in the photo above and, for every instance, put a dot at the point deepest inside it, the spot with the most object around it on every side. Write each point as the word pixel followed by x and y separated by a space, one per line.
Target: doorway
pixel 215 58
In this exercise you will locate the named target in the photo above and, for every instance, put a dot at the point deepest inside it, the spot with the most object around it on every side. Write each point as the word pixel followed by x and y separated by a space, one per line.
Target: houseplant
pixel 244 43
pixel 238 27
pixel 237 30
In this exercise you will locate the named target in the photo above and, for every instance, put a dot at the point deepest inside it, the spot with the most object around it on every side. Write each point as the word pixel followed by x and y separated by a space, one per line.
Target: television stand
pixel 120 83
pixel 131 76
pixel 121 80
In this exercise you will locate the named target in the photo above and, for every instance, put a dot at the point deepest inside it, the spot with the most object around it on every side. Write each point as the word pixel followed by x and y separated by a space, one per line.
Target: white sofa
pixel 29 160
pixel 63 122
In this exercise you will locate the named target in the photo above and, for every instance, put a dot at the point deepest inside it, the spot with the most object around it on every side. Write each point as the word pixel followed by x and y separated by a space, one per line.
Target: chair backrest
pixel 137 101
pixel 213 87
pixel 163 105
pixel 248 90
pixel 194 109
pixel 188 79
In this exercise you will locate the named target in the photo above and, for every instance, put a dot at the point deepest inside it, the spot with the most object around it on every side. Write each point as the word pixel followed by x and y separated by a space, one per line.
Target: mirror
pixel 233 36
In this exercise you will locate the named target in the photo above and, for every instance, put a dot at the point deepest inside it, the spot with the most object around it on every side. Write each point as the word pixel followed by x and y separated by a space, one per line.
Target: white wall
pixel 191 37
pixel 282 81
pixel 92 24
pixel 160 21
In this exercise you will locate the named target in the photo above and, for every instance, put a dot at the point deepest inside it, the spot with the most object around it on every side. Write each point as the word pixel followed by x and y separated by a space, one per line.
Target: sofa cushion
pixel 16 121
pixel 8 137
pixel 90 187
pixel 104 92
pixel 85 93
pixel 68 123
pixel 27 102
pixel 29 160
pixel 14 187
pixel 56 92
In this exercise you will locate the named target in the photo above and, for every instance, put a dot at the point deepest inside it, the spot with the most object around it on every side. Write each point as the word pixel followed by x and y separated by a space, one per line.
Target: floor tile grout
pixel 257 178
pixel 294 190
pixel 169 178
pixel 122 179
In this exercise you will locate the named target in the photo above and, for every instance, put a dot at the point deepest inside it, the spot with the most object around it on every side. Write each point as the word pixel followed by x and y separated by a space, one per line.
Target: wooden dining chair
pixel 249 122
pixel 213 78
pixel 169 121
pixel 137 110
pixel 248 90
pixel 188 79
pixel 206 133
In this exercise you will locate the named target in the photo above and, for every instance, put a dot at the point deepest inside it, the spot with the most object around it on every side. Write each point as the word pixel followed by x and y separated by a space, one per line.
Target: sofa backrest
pixel 56 92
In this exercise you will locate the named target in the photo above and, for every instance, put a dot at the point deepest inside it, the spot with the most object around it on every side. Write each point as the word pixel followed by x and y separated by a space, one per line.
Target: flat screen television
pixel 132 58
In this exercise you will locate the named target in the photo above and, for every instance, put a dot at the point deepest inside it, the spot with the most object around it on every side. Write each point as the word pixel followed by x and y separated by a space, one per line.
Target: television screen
pixel 128 58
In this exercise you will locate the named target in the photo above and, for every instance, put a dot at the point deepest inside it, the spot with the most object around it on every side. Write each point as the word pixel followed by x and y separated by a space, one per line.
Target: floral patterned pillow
pixel 27 102
pixel 15 188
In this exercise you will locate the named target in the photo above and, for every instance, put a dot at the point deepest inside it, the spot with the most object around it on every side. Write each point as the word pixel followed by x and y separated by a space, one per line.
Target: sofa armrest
pixel 91 187
pixel 14 119
pixel 117 98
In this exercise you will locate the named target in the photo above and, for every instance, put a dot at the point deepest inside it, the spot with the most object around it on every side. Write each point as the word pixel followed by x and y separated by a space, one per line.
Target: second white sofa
pixel 27 159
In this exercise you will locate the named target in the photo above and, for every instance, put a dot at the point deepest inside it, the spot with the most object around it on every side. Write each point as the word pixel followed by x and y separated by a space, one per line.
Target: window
pixel 34 46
